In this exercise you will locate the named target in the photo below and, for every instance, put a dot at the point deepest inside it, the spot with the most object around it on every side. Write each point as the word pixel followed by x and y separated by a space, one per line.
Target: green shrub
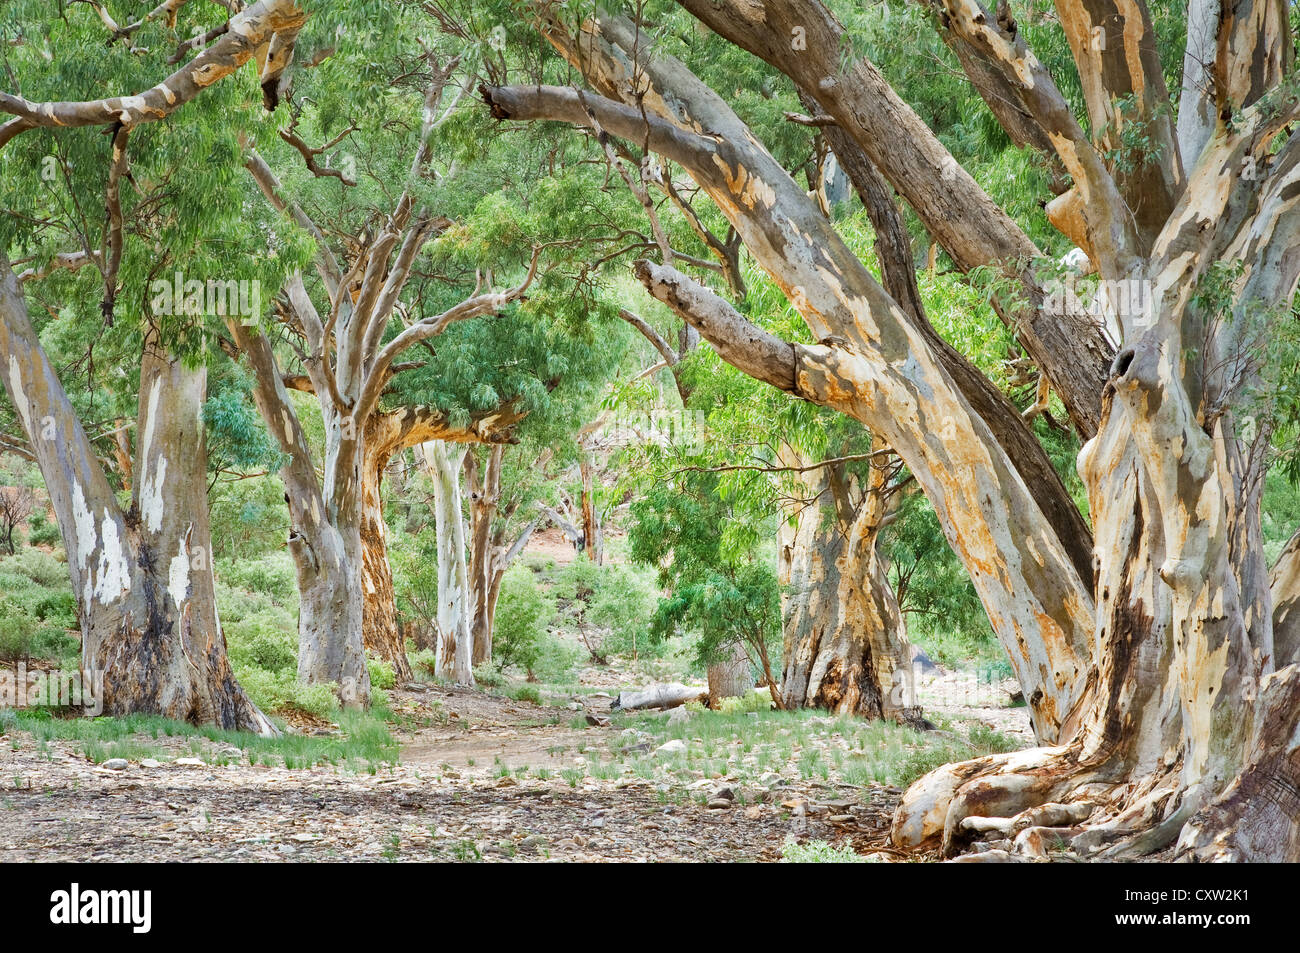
pixel 40 567
pixel 259 643
pixel 526 693
pixel 17 631
pixel 54 644
pixel 41 532
pixel 556 659
pixel 487 677
pixel 281 691
pixel 623 604
pixel 426 661
pixel 519 625
pixel 272 575
pixel 381 673
pixel 58 609
pixel 609 606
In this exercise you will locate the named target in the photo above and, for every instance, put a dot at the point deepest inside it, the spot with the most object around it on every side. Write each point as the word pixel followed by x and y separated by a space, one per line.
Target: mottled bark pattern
pixel 845 641
pixel 142 578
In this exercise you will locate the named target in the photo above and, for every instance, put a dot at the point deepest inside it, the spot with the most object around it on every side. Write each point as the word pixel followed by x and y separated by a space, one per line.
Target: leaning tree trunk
pixel 143 581
pixel 455 648
pixel 1186 734
pixel 872 363
pixel 846 647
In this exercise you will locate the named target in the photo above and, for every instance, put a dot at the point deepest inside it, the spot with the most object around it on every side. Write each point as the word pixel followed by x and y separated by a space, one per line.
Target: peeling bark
pixel 1154 673
pixel 380 632
pixel 846 647
pixel 960 216
pixel 143 579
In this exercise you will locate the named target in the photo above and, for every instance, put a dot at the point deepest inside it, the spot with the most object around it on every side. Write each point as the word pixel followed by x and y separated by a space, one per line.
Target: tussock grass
pixel 364 743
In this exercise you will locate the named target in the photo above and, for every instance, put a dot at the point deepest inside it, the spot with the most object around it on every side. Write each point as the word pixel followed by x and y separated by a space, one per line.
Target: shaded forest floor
pixel 480 777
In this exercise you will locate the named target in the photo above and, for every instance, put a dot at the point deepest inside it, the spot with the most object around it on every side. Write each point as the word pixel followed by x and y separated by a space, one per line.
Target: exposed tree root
pixel 1038 802
pixel 1048 802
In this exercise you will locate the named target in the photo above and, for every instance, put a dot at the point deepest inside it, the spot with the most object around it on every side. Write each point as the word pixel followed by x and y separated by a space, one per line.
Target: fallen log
pixel 668 695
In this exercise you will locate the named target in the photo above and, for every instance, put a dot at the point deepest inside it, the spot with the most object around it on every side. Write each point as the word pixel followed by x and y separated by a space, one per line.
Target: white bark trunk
pixel 455 644
pixel 143 580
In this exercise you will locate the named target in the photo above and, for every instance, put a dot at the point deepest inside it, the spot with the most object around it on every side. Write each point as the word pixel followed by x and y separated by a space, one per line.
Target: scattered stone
pixel 719 804
pixel 115 764
pixel 150 763
pixel 676 746
pixel 597 721
pixel 190 763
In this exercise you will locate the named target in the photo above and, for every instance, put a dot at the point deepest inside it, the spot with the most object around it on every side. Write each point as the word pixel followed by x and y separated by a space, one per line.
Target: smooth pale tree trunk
pixel 143 580
pixel 845 641
pixel 731 677
pixel 491 549
pixel 455 647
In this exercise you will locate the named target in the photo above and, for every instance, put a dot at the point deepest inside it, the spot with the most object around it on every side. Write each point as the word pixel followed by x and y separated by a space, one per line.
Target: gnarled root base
pixel 1029 804
pixel 1033 803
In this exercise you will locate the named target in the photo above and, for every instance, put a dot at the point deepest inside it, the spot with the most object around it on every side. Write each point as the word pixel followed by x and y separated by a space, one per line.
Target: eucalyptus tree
pixel 141 573
pixel 396 329
pixel 349 354
pixel 826 491
pixel 1151 664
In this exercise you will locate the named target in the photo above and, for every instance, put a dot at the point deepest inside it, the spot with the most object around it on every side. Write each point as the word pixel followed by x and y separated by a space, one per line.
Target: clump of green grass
pixel 364 742
pixel 813 745
pixel 525 693
pixel 573 776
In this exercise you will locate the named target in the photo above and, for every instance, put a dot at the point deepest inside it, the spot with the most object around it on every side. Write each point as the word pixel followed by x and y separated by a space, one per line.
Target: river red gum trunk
pixel 846 647
pixel 381 633
pixel 324 538
pixel 1150 672
pixel 143 579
